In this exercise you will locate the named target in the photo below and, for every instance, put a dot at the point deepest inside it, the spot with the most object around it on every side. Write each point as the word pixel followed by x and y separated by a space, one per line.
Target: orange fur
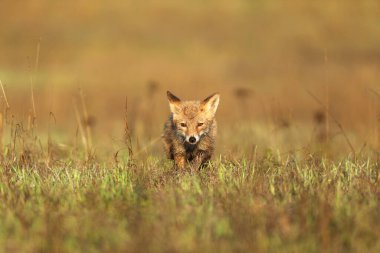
pixel 190 132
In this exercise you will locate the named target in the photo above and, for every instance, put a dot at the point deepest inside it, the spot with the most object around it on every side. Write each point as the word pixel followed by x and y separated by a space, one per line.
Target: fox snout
pixel 193 139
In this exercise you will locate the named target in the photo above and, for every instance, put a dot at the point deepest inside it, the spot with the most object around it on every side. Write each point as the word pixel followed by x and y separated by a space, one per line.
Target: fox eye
pixel 200 124
pixel 183 124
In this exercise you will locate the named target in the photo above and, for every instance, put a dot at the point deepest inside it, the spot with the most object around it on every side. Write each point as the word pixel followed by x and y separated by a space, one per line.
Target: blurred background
pixel 280 66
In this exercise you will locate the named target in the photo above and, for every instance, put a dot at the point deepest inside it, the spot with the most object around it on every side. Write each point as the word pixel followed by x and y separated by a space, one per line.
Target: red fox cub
pixel 189 134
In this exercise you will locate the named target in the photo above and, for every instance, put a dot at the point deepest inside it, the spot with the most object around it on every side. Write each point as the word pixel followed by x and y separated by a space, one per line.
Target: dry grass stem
pixel 336 121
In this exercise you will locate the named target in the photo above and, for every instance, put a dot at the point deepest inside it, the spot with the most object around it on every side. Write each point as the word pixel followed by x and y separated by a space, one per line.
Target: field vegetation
pixel 83 102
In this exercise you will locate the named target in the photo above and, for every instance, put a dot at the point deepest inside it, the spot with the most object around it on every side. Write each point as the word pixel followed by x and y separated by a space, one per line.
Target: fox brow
pixel 191 111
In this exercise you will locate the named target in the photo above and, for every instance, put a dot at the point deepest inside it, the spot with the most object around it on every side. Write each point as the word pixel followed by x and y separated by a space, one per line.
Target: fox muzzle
pixel 193 139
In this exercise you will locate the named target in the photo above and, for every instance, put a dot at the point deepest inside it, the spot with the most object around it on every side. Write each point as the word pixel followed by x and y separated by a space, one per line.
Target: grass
pixel 261 205
pixel 299 94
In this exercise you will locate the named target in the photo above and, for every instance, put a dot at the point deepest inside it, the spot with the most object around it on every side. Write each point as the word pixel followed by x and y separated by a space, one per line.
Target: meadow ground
pixel 265 204
pixel 297 162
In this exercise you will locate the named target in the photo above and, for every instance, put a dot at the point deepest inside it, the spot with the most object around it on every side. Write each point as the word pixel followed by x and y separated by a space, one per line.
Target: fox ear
pixel 173 102
pixel 210 104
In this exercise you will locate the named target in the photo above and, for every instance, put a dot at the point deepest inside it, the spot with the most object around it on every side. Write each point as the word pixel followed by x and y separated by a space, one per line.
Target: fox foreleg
pixel 200 159
pixel 180 161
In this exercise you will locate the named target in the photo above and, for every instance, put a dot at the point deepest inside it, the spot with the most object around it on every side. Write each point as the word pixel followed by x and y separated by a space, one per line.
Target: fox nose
pixel 192 139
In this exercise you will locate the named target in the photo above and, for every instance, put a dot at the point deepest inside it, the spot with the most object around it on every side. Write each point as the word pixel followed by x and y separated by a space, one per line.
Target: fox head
pixel 193 119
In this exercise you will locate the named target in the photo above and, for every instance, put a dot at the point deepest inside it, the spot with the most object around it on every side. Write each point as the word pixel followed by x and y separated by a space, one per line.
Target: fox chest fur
pixel 190 132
